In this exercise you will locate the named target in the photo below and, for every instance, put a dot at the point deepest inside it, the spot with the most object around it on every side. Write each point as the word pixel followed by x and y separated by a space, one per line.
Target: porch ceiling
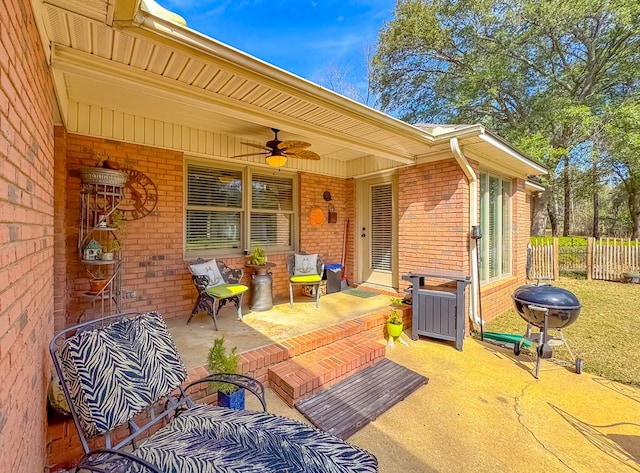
pixel 111 59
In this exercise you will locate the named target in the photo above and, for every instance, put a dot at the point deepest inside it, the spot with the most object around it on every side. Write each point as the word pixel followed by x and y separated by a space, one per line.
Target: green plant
pixel 221 361
pixel 97 273
pixel 396 301
pixel 258 256
pixel 394 317
pixel 112 246
pixel 117 220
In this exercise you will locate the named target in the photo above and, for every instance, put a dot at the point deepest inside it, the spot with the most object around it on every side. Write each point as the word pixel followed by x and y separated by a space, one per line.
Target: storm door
pixel 377 231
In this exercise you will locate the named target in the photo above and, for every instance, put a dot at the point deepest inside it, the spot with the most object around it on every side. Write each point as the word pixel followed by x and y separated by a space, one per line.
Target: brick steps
pixel 302 365
pixel 306 374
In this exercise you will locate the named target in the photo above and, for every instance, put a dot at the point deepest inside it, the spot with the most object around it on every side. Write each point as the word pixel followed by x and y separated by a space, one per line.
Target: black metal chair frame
pixel 210 304
pixel 111 457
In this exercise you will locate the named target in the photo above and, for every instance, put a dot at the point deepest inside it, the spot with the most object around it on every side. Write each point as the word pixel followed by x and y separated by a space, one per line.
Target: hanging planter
pixel 107 177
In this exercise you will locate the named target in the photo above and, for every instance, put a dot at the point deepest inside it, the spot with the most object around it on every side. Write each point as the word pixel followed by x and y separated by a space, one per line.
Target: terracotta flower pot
pixel 97 285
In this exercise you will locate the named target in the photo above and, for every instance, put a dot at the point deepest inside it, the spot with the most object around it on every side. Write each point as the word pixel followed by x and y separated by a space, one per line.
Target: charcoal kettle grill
pixel 546 307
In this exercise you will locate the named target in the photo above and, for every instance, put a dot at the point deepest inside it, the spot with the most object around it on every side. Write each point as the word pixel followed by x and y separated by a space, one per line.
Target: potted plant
pixel 109 250
pixel 221 361
pixel 258 256
pixel 98 281
pixel 394 321
pixel 117 221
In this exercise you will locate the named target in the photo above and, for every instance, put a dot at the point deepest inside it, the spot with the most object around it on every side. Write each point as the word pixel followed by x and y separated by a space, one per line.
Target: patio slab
pixel 259 329
pixel 483 411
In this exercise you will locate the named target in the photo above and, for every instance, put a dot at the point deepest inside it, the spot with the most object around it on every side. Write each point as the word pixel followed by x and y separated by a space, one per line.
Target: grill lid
pixel 550 297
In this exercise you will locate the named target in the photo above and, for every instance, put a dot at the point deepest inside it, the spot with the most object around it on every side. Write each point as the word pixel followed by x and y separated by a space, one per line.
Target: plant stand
pixel 101 192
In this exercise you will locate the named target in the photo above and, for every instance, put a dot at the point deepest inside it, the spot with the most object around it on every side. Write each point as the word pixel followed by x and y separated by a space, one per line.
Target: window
pixel 495 220
pixel 229 209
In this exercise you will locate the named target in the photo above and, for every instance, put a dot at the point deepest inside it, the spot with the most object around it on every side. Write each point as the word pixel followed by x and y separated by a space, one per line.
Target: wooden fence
pixel 608 259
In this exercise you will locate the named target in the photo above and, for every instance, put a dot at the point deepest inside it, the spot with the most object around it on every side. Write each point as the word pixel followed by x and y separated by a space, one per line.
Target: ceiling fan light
pixel 276 161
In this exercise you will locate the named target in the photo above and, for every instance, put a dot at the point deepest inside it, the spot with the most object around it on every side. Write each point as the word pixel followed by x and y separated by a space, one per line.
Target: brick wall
pixel 433 205
pixel 153 264
pixel 433 228
pixel 26 239
pixel 327 239
pixel 61 295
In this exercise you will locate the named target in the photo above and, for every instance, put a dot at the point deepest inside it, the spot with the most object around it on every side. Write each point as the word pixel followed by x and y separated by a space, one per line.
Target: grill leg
pixel 542 341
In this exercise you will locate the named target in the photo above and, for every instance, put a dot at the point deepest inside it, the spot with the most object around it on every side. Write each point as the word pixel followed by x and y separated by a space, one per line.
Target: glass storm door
pixel 377 235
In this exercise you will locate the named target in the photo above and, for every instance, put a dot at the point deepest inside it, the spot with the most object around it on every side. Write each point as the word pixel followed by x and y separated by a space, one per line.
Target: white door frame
pixel 363 220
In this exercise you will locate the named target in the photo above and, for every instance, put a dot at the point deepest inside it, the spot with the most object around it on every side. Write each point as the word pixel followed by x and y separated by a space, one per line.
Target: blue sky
pixel 306 37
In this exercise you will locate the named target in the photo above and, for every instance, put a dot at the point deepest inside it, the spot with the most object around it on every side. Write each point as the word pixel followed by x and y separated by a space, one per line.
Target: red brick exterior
pixel 26 239
pixel 42 276
pixel 433 232
pixel 153 263
pixel 326 239
pixel 433 220
pixel 433 228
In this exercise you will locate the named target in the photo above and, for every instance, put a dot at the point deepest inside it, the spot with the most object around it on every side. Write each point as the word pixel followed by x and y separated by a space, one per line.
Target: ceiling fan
pixel 278 151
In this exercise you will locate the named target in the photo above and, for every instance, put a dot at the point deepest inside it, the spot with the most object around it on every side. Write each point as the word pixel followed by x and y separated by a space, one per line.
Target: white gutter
pixel 146 19
pixel 533 187
pixel 508 148
pixel 474 298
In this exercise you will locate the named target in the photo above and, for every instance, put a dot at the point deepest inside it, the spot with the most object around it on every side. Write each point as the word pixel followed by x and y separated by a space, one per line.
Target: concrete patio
pixel 482 409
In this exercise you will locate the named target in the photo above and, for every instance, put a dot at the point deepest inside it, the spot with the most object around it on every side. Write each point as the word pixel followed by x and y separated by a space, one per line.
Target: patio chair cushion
pixel 305 265
pixel 306 279
pixel 224 291
pixel 210 270
pixel 115 372
pixel 206 438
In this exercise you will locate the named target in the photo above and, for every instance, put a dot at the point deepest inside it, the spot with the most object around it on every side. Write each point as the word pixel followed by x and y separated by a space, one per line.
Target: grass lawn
pixel 605 332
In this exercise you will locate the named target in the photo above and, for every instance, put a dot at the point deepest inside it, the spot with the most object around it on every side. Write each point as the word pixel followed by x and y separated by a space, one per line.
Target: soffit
pixel 175 75
pixel 103 66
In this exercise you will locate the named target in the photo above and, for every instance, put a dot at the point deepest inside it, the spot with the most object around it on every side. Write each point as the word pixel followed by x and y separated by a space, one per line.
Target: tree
pixel 340 77
pixel 622 131
pixel 538 72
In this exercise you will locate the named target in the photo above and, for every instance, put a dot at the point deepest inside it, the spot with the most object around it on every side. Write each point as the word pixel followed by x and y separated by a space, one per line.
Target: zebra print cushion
pixel 115 372
pixel 212 439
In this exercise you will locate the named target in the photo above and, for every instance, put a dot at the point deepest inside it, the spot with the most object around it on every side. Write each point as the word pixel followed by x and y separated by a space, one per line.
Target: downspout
pixel 473 220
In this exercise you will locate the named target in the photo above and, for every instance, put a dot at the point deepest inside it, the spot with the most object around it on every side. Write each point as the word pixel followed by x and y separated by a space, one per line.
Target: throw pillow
pixel 209 269
pixel 305 265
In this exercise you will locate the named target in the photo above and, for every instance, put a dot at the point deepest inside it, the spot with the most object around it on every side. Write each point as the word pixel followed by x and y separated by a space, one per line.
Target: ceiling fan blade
pixel 265 153
pixel 253 145
pixel 290 145
pixel 304 154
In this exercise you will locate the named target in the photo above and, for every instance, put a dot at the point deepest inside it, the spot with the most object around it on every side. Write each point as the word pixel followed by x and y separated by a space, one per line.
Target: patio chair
pixel 305 269
pixel 125 369
pixel 217 284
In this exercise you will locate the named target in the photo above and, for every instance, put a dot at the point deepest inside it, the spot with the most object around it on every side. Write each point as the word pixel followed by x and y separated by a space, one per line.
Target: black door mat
pixel 346 407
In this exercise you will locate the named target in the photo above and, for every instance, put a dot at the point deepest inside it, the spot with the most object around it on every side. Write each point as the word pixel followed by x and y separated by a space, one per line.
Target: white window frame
pixel 502 250
pixel 245 210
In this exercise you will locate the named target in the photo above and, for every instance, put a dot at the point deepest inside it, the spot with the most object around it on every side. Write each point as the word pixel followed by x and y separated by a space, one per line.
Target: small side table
pixel 261 282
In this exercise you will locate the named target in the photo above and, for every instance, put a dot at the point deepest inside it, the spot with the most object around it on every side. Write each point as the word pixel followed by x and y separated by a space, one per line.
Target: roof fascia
pixel 236 61
pixel 508 148
pixel 76 62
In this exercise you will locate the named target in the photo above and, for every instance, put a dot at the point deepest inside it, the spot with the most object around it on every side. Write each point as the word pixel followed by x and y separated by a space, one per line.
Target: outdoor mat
pixel 347 406
pixel 360 293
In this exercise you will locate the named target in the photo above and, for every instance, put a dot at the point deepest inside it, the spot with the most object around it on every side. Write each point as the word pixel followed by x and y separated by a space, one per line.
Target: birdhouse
pixel 92 251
